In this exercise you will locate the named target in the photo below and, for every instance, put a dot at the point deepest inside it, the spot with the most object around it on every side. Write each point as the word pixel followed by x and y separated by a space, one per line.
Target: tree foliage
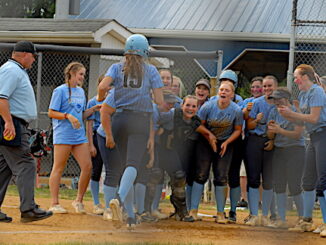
pixel 27 8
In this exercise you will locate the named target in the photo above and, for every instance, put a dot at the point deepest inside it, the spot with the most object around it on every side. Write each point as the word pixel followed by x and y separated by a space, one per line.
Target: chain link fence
pixel 309 34
pixel 47 73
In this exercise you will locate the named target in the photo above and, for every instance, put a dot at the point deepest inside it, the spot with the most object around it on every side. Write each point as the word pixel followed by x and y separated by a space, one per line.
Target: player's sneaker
pixel 220 218
pixel 278 224
pixel 131 223
pixel 79 207
pixel 232 217
pixel 58 209
pixel 98 209
pixel 303 225
pixel 157 214
pixel 194 213
pixel 252 221
pixel 147 217
pixel 323 230
pixel 264 221
pixel 116 210
pixel 107 215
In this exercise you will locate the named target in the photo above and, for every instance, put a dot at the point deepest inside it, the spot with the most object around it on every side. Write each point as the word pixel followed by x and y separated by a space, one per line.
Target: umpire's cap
pixel 25 46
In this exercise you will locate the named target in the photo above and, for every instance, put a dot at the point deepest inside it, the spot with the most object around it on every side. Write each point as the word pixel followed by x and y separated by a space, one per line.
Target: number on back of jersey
pixel 129 82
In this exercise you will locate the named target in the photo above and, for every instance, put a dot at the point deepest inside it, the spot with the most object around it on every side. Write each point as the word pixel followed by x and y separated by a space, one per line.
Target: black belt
pixel 22 121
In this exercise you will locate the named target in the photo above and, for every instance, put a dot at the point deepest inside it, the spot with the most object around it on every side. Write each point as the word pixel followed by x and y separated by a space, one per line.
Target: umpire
pixel 17 109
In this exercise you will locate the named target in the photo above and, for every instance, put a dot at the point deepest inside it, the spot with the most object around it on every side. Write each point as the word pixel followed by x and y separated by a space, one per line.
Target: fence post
pixel 292 46
pixel 38 87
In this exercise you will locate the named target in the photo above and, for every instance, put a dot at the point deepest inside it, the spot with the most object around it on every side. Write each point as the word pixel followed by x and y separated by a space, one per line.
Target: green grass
pixel 44 192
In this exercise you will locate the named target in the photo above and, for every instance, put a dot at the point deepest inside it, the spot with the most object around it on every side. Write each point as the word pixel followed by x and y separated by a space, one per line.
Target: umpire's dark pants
pixel 17 161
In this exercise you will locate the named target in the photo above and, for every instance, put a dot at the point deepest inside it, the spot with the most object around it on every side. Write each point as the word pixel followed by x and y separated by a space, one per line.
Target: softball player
pixel 288 156
pixel 67 110
pixel 224 119
pixel 133 81
pixel 92 124
pixel 313 113
pixel 259 154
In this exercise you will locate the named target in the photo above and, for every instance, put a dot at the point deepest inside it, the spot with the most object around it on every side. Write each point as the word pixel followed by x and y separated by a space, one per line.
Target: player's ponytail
pixel 72 67
pixel 133 66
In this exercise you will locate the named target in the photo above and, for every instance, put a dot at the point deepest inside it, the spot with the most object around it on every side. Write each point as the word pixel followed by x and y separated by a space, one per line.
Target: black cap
pixel 25 46
pixel 280 94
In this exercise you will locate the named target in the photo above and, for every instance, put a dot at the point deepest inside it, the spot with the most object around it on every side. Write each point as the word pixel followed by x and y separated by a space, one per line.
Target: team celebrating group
pixel 140 126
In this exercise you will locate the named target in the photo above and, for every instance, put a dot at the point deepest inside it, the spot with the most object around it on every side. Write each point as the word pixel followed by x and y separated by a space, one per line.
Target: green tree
pixel 27 8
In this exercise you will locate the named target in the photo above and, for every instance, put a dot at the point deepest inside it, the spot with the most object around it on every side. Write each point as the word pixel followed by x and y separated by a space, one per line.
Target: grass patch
pixel 44 192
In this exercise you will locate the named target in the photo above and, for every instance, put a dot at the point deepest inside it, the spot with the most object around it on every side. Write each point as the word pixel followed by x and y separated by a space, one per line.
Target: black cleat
pixel 35 214
pixel 4 218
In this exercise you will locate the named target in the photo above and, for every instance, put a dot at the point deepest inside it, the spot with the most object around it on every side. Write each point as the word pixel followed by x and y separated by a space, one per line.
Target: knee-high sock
pixel 308 203
pixel 129 203
pixel 188 196
pixel 157 196
pixel 322 201
pixel 220 196
pixel 253 198
pixel 140 191
pixel 109 194
pixel 95 185
pixel 127 182
pixel 281 199
pixel 235 194
pixel 298 200
pixel 267 199
pixel 273 206
pixel 196 192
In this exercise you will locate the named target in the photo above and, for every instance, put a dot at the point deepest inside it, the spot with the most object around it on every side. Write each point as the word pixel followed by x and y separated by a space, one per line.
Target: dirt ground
pixel 89 228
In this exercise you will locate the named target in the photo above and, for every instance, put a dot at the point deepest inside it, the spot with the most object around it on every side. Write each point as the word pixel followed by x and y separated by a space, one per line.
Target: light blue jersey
pixel 131 94
pixel 238 99
pixel 260 105
pixel 314 97
pixel 96 117
pixel 109 100
pixel 16 87
pixel 221 122
pixel 281 140
pixel 63 132
pixel 179 103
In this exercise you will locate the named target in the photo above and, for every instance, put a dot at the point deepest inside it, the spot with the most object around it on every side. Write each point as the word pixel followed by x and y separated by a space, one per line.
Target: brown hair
pixel 308 70
pixel 133 66
pixel 100 78
pixel 258 78
pixel 168 70
pixel 272 78
pixel 72 67
pixel 189 96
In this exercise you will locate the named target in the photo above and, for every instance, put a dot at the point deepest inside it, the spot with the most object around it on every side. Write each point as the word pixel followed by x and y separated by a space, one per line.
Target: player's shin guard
pixel 178 197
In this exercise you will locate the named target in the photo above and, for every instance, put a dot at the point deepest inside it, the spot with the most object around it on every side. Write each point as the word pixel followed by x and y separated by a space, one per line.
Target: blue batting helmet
pixel 137 44
pixel 230 75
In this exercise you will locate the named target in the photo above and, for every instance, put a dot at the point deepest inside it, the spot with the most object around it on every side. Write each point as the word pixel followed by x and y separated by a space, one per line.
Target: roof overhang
pixel 214 35
pixel 261 62
pixel 76 37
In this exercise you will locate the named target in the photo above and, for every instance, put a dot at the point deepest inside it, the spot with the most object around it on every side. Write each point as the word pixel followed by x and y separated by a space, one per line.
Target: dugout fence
pixel 47 73
pixel 308 38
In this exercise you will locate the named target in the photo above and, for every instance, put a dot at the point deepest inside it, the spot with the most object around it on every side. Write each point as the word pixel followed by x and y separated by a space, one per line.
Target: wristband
pixel 65 115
